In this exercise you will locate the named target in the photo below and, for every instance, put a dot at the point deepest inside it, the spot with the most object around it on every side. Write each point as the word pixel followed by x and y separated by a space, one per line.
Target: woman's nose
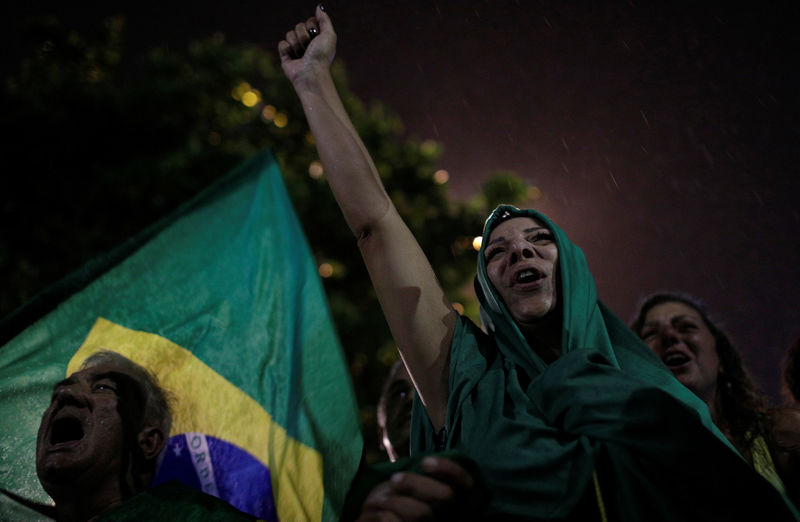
pixel 667 336
pixel 521 250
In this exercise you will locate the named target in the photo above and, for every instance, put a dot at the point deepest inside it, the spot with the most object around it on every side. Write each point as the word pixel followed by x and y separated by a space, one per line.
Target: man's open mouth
pixel 66 429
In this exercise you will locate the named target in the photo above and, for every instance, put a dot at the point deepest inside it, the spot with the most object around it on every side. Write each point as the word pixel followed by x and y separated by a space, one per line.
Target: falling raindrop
pixel 614 180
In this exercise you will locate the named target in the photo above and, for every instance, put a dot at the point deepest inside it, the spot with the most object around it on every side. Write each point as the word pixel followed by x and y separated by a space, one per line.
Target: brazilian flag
pixel 223 303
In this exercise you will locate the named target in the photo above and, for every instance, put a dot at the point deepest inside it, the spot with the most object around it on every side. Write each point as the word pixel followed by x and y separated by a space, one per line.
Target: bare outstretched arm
pixel 420 317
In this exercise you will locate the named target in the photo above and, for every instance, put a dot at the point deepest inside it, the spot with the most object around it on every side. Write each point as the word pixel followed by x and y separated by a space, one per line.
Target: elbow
pixel 364 235
pixel 367 225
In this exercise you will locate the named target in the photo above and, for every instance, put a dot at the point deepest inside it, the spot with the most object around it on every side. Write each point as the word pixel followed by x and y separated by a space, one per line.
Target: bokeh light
pixel 476 243
pixel 251 98
pixel 325 270
pixel 429 147
pixel 441 176
pixel 268 112
pixel 315 170
pixel 240 90
pixel 281 119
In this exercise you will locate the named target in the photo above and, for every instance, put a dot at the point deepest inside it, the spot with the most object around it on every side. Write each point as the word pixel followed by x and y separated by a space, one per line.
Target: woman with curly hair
pixel 679 330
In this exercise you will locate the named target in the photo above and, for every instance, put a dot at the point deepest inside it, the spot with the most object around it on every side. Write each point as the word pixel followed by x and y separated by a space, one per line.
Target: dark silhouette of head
pixel 394 412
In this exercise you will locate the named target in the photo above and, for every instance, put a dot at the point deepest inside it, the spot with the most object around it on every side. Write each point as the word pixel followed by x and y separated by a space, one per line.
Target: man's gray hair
pixel 156 410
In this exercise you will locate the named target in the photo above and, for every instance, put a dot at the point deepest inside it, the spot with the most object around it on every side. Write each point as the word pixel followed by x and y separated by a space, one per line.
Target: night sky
pixel 663 139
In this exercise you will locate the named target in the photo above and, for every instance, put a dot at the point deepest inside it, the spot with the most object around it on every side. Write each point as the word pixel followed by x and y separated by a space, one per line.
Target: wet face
pixel 677 334
pixel 521 261
pixel 81 437
pixel 395 419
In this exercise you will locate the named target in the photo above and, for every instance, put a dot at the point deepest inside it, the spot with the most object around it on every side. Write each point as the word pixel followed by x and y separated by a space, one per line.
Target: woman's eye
pixel 541 238
pixel 493 253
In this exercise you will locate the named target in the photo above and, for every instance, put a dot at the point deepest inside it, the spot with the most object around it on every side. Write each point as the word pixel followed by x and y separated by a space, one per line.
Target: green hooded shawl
pixel 606 408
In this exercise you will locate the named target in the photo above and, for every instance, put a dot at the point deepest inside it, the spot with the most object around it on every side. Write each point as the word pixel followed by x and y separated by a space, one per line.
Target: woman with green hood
pixel 568 414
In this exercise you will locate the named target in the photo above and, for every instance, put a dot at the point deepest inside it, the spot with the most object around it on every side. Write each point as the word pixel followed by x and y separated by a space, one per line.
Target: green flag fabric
pixel 606 423
pixel 223 303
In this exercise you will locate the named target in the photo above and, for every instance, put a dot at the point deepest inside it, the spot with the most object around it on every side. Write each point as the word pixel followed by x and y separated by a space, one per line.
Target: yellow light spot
pixel 281 119
pixel 325 270
pixel 94 75
pixel 429 147
pixel 441 176
pixel 240 90
pixel 357 366
pixel 476 243
pixel 315 170
pixel 459 308
pixel 250 98
pixel 310 137
pixel 268 112
pixel 534 193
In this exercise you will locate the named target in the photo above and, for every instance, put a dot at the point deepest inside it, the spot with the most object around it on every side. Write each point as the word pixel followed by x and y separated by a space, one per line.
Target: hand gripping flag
pixel 223 303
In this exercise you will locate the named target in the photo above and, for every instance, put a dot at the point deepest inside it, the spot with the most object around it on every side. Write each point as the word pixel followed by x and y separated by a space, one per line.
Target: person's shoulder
pixel 785 426
pixel 175 501
pixel 472 345
pixel 785 417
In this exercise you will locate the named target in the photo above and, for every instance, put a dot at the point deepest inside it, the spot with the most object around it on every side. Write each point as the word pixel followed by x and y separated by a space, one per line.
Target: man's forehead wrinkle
pixel 66 382
pixel 100 373
pixel 114 375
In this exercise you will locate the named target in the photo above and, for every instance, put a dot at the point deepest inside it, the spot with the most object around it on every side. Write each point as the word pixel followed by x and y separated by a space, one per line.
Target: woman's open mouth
pixel 675 360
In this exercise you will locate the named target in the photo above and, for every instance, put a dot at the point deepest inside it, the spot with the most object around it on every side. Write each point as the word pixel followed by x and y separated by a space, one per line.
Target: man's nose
pixel 71 396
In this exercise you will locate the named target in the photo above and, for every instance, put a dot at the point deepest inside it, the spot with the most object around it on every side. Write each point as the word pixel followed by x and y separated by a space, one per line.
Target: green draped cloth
pixel 607 408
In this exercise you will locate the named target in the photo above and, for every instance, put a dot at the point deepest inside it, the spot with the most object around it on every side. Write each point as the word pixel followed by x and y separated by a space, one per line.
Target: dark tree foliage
pixel 104 145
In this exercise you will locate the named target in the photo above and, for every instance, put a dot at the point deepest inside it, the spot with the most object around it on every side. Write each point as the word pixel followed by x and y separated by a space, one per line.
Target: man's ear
pixel 151 441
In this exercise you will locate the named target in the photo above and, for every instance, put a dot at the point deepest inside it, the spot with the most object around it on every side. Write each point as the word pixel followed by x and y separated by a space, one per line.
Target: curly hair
pixel 791 372
pixel 742 403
